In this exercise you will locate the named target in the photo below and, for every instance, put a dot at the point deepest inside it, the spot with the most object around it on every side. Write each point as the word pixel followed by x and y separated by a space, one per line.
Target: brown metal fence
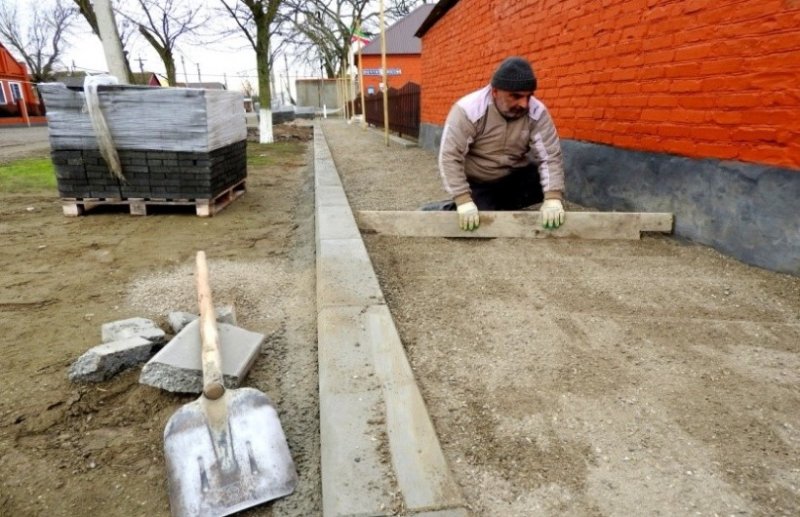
pixel 403 109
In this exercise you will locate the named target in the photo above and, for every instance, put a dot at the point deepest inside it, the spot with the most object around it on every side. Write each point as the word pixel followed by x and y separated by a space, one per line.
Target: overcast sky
pixel 215 61
pixel 232 61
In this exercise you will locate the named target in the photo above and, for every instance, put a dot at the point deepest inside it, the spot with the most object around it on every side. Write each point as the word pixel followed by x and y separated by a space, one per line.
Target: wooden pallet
pixel 74 207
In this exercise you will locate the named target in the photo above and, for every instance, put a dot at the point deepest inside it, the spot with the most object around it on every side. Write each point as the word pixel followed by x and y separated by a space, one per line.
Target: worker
pixel 500 151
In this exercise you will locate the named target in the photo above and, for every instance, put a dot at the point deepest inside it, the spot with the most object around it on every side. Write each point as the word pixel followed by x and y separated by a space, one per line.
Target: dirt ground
pixel 96 449
pixel 654 377
pixel 568 377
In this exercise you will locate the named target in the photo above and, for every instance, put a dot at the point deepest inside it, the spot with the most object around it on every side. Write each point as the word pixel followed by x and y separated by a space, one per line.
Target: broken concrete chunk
pixel 226 314
pixel 104 361
pixel 178 319
pixel 132 327
pixel 177 366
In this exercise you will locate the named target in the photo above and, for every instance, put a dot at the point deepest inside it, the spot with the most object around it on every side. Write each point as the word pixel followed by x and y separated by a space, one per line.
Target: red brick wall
pixel 409 65
pixel 699 78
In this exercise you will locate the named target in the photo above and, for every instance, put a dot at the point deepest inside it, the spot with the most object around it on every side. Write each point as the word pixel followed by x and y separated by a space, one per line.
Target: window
pixel 2 94
pixel 16 91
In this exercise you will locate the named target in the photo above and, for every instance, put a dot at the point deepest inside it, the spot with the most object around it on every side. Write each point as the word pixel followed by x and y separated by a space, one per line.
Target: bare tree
pixel 256 20
pixel 320 30
pixel 247 88
pixel 124 26
pixel 162 22
pixel 86 9
pixel 42 43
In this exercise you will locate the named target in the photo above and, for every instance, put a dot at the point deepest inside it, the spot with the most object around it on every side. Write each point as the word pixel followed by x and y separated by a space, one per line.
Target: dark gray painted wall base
pixel 430 137
pixel 748 211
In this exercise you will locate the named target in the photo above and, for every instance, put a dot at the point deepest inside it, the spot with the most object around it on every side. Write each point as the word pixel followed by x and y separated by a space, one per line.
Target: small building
pixel 318 92
pixel 403 51
pixel 203 85
pixel 18 97
pixel 155 79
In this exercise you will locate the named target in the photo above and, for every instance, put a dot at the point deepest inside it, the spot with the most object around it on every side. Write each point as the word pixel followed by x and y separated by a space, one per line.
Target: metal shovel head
pixel 226 455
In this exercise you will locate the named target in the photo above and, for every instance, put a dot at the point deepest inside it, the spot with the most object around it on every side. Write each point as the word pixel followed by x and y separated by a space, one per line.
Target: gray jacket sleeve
pixel 457 136
pixel 546 153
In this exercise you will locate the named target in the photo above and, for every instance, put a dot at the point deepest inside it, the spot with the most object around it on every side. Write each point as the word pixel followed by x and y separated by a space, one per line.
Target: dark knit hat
pixel 514 75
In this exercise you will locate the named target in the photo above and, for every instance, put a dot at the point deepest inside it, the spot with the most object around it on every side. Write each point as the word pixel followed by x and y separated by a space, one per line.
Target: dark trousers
pixel 520 189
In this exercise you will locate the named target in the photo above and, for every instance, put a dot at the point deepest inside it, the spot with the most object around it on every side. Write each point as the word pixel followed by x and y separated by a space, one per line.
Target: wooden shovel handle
pixel 213 387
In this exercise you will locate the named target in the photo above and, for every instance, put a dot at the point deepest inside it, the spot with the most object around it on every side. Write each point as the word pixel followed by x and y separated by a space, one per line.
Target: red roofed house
pixel 402 53
pixel 16 86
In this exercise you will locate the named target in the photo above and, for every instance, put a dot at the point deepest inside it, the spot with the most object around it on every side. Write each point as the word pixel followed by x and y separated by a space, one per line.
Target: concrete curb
pixel 380 453
pixel 399 140
pixel 379 131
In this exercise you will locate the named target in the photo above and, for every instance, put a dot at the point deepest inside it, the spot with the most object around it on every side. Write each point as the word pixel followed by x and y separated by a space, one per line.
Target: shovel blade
pixel 226 455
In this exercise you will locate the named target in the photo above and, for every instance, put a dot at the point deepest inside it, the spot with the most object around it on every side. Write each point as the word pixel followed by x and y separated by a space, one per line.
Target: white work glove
pixel 468 218
pixel 552 213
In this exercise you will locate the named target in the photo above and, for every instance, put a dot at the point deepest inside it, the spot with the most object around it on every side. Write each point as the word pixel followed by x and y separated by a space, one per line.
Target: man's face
pixel 512 105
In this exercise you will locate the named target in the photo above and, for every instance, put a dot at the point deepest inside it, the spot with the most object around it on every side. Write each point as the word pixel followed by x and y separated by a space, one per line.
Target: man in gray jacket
pixel 500 150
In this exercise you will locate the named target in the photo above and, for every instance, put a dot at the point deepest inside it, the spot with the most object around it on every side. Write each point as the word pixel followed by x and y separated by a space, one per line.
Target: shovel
pixel 225 451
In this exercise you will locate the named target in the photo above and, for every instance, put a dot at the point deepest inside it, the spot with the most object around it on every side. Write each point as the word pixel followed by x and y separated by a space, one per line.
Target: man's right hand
pixel 468 218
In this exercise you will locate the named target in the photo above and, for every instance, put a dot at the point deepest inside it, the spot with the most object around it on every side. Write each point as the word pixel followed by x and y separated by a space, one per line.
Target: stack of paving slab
pixel 173 143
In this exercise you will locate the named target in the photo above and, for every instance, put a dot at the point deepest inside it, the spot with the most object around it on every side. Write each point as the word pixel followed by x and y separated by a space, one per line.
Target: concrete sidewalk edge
pixel 380 453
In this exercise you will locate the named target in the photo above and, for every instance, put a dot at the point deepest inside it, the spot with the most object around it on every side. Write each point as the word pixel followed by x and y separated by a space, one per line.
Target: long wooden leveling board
pixel 527 224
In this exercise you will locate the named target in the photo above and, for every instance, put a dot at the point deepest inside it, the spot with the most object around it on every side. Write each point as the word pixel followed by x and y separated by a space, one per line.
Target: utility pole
pixel 272 86
pixel 185 75
pixel 112 47
pixel 288 78
pixel 319 90
pixel 361 81
pixel 385 79
pixel 141 66
pixel 343 96
pixel 199 79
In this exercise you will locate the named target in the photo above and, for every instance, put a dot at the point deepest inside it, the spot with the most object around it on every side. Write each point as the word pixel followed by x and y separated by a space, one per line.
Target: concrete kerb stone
pixel 325 174
pixel 453 512
pixel 344 275
pixel 328 195
pixel 371 409
pixel 177 367
pixel 356 479
pixel 337 222
pixel 399 140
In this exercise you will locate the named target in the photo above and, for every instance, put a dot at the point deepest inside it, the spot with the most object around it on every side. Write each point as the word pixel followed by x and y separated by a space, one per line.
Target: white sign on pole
pixel 377 71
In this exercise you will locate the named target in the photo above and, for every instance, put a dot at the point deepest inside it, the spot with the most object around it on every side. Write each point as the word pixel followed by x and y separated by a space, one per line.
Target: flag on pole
pixel 358 35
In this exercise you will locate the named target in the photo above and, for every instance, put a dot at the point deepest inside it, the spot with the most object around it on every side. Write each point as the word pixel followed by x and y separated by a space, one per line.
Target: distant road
pixel 22 142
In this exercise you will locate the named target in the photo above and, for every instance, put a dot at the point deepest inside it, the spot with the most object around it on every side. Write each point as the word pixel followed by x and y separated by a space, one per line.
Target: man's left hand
pixel 552 213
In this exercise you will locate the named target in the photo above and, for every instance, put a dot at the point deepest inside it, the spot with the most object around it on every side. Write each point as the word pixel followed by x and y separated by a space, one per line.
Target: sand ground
pixel 614 378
